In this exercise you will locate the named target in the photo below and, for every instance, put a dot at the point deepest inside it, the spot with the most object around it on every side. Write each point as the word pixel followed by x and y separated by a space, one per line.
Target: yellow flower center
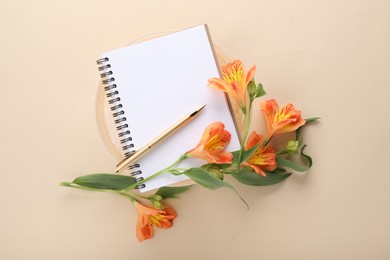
pixel 283 115
pixel 214 143
pixel 232 73
pixel 257 158
pixel 155 220
pixel 261 157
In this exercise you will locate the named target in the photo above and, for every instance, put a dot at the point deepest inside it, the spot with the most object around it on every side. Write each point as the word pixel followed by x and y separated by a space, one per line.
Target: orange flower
pixel 263 159
pixel 212 144
pixel 149 217
pixel 235 81
pixel 285 120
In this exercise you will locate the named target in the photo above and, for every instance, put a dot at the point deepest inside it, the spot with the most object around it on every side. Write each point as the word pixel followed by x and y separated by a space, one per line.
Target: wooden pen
pixel 122 165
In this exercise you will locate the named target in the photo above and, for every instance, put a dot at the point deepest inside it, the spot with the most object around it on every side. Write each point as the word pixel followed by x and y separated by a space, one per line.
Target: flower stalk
pixel 167 169
pixel 247 120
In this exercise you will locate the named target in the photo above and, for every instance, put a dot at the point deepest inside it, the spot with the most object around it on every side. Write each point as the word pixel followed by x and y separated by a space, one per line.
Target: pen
pixel 138 154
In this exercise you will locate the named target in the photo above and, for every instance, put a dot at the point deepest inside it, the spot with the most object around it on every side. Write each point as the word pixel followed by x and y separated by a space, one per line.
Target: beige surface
pixel 330 58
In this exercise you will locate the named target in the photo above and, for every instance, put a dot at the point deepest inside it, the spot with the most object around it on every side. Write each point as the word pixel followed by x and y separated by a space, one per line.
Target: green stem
pixel 120 192
pixel 183 157
pixel 247 120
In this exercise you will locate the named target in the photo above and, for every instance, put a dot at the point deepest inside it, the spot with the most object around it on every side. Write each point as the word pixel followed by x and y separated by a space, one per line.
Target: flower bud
pixel 158 204
pixel 216 172
pixel 292 146
pixel 158 197
pixel 155 197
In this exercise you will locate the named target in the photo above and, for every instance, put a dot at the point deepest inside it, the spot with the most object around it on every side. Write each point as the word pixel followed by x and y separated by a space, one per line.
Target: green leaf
pixel 254 90
pixel 306 157
pixel 308 121
pixel 252 178
pixel 171 192
pixel 260 90
pixel 312 119
pixel 283 162
pixel 105 181
pixel 205 179
pixel 246 154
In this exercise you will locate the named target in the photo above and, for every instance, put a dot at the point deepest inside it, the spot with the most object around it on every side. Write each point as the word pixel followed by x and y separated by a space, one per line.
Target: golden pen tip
pixel 199 109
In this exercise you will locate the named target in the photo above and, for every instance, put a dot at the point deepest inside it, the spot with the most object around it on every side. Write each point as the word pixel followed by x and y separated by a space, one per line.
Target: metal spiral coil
pixel 118 114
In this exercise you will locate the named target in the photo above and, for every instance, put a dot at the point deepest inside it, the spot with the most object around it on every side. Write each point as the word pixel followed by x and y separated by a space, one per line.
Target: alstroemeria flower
pixel 235 81
pixel 148 217
pixel 283 120
pixel 212 145
pixel 263 159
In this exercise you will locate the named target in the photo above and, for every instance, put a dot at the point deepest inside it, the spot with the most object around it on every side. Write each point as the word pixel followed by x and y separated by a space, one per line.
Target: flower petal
pixel 235 81
pixel 257 169
pixel 149 217
pixel 254 139
pixel 263 159
pixel 250 75
pixel 212 144
pixel 286 119
pixel 144 232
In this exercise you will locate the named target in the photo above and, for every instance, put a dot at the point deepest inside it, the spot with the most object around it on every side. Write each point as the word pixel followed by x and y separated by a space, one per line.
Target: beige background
pixel 330 58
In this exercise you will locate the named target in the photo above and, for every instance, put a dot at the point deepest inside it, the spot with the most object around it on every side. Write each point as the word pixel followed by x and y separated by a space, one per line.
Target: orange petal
pixel 254 139
pixel 250 75
pixel 218 84
pixel 144 232
pixel 212 144
pixel 170 212
pixel 223 157
pixel 257 170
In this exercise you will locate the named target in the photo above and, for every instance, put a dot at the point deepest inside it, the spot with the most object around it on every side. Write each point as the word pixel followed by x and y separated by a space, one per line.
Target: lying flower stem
pixel 247 123
pixel 183 157
pixel 247 118
pixel 177 171
pixel 131 196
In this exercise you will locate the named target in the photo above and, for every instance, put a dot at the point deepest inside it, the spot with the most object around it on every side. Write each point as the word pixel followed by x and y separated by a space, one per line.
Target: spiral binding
pixel 118 114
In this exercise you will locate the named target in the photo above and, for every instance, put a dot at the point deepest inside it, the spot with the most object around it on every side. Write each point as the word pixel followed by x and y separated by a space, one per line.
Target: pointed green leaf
pixel 286 163
pixel 205 179
pixel 246 154
pixel 171 192
pixel 312 119
pixel 252 178
pixel 105 181
pixel 260 90
pixel 306 157
pixel 308 121
pixel 252 89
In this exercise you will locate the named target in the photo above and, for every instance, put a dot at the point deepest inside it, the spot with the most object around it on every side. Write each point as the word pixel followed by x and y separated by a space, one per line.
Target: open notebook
pixel 151 85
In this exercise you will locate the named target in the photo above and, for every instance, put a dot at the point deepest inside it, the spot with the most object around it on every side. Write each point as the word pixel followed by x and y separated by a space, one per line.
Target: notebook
pixel 150 85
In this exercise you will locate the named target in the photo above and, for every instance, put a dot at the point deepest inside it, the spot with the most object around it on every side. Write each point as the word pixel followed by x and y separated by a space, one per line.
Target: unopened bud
pixel 155 197
pixel 216 172
pixel 292 146
pixel 158 198
pixel 157 204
